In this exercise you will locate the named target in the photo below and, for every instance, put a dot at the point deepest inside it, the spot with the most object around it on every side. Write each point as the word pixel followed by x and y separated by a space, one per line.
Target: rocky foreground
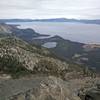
pixel 43 88
pixel 38 88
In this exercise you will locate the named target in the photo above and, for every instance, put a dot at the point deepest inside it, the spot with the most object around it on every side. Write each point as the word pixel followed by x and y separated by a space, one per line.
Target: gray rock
pixel 37 88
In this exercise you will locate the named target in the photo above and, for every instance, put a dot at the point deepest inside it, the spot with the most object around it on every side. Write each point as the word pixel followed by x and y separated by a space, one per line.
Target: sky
pixel 44 9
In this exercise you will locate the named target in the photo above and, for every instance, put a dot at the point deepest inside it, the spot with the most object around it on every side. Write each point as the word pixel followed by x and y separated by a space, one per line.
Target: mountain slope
pixel 77 52
pixel 64 48
pixel 19 55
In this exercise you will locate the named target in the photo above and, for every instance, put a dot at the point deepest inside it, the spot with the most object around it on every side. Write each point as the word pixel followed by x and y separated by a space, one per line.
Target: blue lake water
pixel 80 32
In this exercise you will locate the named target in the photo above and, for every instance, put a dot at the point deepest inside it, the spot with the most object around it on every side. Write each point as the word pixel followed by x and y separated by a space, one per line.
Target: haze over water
pixel 80 32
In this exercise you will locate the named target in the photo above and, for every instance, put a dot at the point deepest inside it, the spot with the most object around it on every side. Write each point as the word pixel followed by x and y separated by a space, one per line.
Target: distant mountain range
pixel 15 20
pixel 86 21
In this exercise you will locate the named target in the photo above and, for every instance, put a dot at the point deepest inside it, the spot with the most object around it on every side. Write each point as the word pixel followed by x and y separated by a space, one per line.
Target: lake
pixel 49 44
pixel 80 32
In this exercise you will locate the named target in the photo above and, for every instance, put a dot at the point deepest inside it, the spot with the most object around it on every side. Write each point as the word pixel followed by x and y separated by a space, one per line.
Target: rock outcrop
pixel 37 88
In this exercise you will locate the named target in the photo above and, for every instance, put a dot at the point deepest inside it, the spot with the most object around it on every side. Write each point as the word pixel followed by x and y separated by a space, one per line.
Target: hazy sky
pixel 50 9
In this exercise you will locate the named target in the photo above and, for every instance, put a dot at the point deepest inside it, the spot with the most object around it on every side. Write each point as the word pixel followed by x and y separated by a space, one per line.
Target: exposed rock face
pixel 40 88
